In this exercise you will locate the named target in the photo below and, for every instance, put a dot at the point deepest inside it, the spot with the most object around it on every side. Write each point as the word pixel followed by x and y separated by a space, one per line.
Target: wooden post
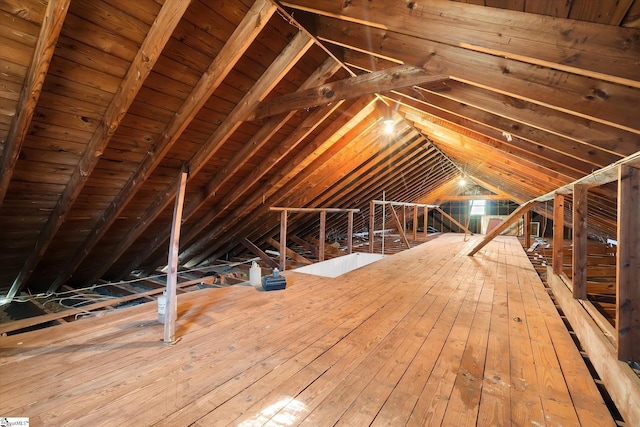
pixel 558 232
pixel 323 224
pixel 404 219
pixel 527 229
pixel 372 224
pixel 283 240
pixel 579 256
pixel 171 308
pixel 403 236
pixel 415 223
pixel 350 232
pixel 424 220
pixel 628 264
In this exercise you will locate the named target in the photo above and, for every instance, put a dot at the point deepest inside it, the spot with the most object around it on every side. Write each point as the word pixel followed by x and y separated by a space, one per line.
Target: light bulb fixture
pixel 388 126
pixel 462 182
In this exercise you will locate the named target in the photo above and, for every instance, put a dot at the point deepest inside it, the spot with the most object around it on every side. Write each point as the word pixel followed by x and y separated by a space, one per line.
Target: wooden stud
pixel 527 229
pixel 579 253
pixel 415 223
pixel 372 224
pixel 628 265
pixel 558 233
pixel 171 311
pixel 321 239
pixel 283 240
pixel 350 232
pixel 424 220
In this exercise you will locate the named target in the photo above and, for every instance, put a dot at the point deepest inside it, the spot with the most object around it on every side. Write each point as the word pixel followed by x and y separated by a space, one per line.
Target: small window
pixel 478 207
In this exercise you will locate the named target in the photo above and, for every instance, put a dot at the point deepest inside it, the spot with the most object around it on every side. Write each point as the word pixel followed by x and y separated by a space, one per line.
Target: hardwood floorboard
pixel 427 336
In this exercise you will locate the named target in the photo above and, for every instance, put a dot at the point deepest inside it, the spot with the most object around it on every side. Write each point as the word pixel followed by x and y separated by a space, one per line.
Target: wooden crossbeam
pixel 354 87
pixel 511 219
pixel 45 46
pixel 452 219
pixel 289 253
pixel 399 226
pixel 259 252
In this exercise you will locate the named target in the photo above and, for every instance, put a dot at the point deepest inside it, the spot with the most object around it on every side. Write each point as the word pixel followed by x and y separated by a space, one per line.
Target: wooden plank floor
pixel 425 337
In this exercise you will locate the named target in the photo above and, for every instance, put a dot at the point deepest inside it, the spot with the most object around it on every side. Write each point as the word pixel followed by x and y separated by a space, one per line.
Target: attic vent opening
pixel 478 207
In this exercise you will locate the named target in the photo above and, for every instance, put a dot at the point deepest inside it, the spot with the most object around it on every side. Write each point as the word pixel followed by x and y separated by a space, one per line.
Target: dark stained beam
pixel 366 84
pixel 287 58
pixel 261 137
pixel 259 252
pixel 45 46
pixel 145 59
pixel 254 21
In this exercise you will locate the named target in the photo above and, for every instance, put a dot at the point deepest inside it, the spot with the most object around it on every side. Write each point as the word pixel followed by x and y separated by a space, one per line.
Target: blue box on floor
pixel 273 283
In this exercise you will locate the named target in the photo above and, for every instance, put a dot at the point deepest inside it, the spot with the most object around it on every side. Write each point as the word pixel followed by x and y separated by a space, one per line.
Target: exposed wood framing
pixel 171 311
pixel 259 252
pixel 276 71
pixel 527 229
pixel 350 232
pixel 288 252
pixel 628 264
pixel 322 236
pixel 621 382
pixel 579 253
pixel 403 236
pixel 511 219
pixel 558 233
pixel 49 32
pixel 145 59
pixel 254 21
pixel 306 245
pixel 452 219
pixel 283 240
pixel 354 87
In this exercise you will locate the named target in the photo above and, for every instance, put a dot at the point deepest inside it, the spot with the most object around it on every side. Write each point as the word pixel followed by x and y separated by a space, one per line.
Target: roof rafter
pixel 298 46
pixel 45 46
pixel 254 21
pixel 145 59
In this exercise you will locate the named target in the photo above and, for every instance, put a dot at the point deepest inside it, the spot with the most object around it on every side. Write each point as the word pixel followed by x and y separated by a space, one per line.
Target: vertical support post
pixel 628 264
pixel 424 220
pixel 171 308
pixel 579 257
pixel 558 232
pixel 372 224
pixel 527 229
pixel 415 223
pixel 323 224
pixel 350 232
pixel 283 240
pixel 404 219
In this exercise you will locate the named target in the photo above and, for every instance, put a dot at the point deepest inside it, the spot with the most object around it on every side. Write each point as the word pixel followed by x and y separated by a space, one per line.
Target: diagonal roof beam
pixel 269 79
pixel 45 46
pixel 253 22
pixel 145 59
pixel 545 41
pixel 261 137
pixel 366 84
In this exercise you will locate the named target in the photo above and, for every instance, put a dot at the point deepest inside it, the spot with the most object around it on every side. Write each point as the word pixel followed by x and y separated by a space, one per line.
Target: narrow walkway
pixel 425 337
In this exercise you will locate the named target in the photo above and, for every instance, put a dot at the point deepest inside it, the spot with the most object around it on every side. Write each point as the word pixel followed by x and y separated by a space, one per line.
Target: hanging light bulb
pixel 462 182
pixel 388 126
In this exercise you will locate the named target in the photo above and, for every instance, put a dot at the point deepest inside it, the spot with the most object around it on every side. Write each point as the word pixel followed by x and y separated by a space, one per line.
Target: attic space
pixel 171 168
